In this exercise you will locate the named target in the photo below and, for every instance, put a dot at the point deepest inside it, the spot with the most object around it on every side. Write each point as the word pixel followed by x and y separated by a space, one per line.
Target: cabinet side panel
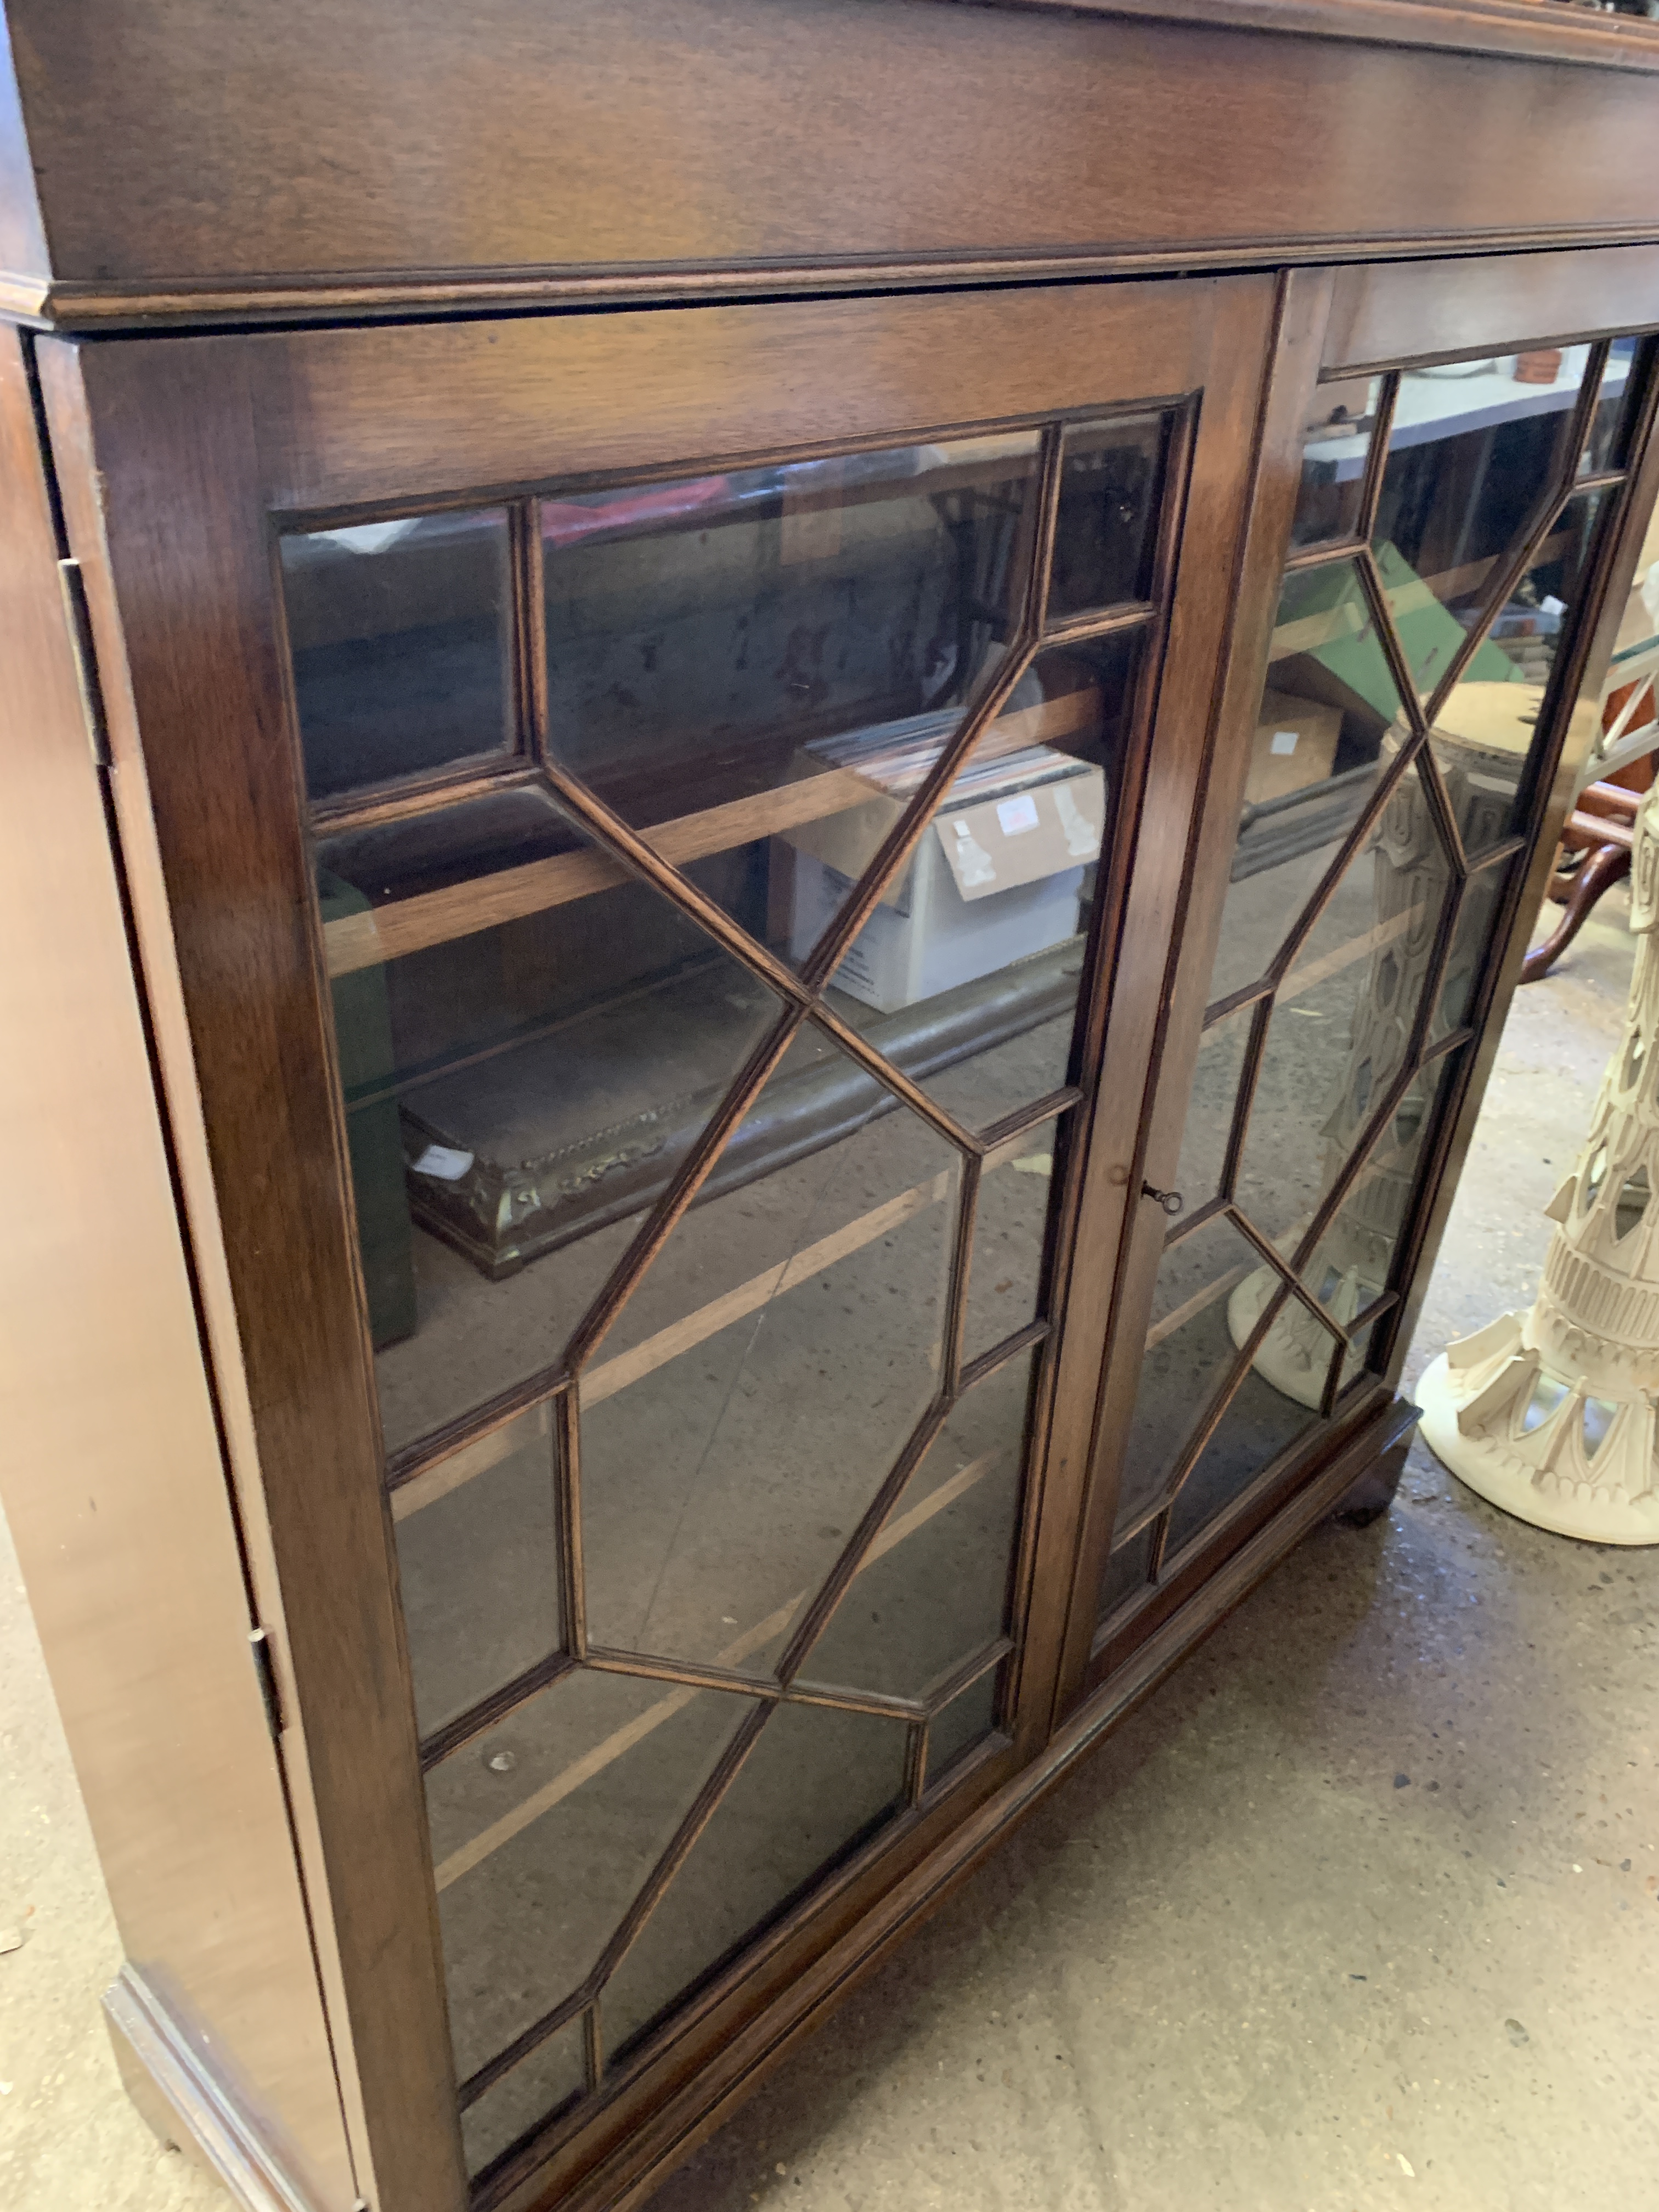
pixel 163 507
pixel 112 1477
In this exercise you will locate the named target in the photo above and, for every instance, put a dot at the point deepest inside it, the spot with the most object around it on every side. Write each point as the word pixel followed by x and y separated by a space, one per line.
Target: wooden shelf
pixel 411 925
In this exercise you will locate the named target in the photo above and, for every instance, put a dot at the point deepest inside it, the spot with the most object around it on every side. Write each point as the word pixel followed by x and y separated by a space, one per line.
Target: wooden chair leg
pixel 1607 866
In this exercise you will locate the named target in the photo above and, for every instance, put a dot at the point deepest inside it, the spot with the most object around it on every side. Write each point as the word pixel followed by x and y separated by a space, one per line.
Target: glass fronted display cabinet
pixel 754 934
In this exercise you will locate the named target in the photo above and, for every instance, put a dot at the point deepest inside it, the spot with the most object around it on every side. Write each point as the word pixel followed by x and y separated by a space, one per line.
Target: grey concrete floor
pixel 1363 1906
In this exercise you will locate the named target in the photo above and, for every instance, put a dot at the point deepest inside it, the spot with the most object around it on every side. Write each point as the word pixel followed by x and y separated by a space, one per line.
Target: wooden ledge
pixel 1531 30
pixel 366 295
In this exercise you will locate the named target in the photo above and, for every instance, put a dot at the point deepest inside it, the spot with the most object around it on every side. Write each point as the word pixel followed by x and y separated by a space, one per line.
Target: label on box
pixel 1001 844
pixel 969 858
pixel 1283 741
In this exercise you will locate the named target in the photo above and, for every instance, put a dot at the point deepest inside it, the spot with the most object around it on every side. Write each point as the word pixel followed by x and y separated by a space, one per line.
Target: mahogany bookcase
pixel 774 768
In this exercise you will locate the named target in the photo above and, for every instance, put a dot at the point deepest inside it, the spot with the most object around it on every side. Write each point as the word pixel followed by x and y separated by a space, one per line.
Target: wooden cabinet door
pixel 1453 485
pixel 655 840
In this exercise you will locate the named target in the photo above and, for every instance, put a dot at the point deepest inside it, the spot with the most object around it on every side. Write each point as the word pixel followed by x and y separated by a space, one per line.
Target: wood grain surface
pixel 217 158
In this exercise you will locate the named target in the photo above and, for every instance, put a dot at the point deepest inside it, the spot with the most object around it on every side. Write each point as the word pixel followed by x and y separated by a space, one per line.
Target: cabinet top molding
pixel 220 162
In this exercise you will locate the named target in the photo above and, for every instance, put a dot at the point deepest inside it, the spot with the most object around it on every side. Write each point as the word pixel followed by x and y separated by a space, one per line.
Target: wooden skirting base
pixel 182 2103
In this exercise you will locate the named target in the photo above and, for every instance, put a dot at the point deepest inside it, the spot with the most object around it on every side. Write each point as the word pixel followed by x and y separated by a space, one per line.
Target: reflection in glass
pixel 1260 1422
pixel 1005 1280
pixel 763 1377
pixel 478 1568
pixel 731 657
pixel 1485 732
pixel 1125 1577
pixel 969 1718
pixel 1188 1355
pixel 515 1090
pixel 1210 1107
pixel 1466 957
pixel 401 636
pixel 933 1589
pixel 1336 445
pixel 543 1832
pixel 1363 1355
pixel 1352 1265
pixel 817 1784
pixel 1111 489
pixel 537 2087
pixel 1622 383
pixel 1474 449
pixel 967 974
pixel 1328 703
pixel 1341 1024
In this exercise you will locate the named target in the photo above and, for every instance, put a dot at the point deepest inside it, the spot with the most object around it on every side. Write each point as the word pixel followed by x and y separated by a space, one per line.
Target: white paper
pixel 1284 742
pixel 372 537
pixel 443 1163
pixel 1018 815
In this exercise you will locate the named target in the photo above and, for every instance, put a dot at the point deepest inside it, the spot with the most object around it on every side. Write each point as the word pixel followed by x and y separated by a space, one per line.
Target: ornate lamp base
pixel 1540 1444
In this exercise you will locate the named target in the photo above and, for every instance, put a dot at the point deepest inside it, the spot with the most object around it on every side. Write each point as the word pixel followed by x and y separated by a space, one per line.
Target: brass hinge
pixel 264 1668
pixel 73 587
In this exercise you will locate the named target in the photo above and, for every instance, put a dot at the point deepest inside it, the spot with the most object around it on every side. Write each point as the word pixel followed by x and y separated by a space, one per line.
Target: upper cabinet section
pixel 215 161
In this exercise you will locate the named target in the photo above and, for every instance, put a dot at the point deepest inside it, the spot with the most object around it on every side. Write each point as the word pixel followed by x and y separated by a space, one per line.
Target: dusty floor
pixel 1364 1904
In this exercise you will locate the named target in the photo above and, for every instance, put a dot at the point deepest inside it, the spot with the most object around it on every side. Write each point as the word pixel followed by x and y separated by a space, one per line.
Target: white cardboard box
pixel 990 882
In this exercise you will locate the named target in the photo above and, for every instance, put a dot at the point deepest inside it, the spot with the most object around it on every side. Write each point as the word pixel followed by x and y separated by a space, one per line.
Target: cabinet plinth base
pixel 184 2108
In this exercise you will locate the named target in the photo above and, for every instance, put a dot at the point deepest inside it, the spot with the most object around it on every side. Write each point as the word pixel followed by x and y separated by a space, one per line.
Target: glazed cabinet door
pixel 1453 485
pixel 655 838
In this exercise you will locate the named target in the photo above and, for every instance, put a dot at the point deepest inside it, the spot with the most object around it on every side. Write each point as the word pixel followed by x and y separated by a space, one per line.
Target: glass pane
pixel 967 974
pixel 1335 447
pixel 1466 959
pixel 763 1377
pixel 934 1587
pixel 478 1564
pixel 1126 1577
pixel 1352 1265
pixel 530 1042
pixel 728 654
pixel 552 2075
pixel 1328 704
pixel 1473 449
pixel 1259 1424
pixel 817 1784
pixel 1622 383
pixel 1341 1023
pixel 1484 734
pixel 1188 1355
pixel 401 633
pixel 1110 488
pixel 543 1831
pixel 966 1721
pixel 1367 1354
pixel 1210 1107
pixel 1004 1279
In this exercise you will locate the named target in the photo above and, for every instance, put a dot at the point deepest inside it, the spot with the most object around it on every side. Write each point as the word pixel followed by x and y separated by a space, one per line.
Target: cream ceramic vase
pixel 1551 1414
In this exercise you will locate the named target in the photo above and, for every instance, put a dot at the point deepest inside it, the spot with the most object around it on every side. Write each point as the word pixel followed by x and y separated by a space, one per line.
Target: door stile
pixel 1265 356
